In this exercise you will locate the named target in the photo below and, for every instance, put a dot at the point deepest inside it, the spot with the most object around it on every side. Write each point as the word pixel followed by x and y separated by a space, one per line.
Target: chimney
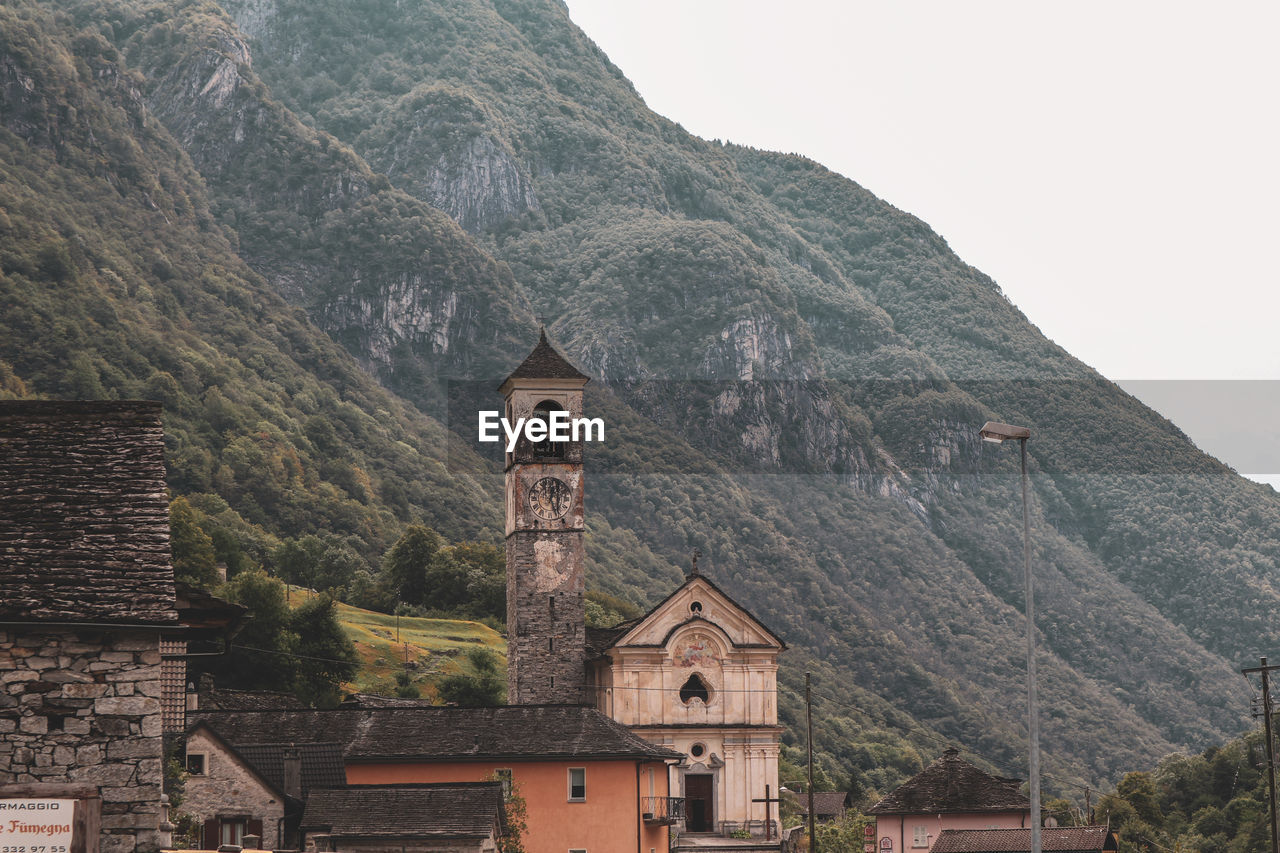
pixel 293 773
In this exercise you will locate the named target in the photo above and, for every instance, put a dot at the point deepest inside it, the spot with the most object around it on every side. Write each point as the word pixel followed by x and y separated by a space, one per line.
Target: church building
pixel 697 674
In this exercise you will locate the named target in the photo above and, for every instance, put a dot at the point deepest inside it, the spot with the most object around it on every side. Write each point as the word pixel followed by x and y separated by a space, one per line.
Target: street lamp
pixel 998 433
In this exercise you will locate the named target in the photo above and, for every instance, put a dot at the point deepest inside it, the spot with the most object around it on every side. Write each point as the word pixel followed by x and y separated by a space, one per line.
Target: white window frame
pixel 507 778
pixel 919 836
pixel 569 776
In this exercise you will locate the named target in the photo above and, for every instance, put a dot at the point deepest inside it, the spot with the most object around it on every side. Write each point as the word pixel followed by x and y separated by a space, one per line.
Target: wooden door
pixel 698 804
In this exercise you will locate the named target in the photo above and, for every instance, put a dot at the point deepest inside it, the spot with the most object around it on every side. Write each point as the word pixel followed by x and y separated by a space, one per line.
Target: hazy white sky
pixel 1114 166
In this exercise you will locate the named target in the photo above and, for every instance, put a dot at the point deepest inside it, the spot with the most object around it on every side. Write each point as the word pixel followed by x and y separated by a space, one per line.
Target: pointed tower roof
pixel 545 363
pixel 952 785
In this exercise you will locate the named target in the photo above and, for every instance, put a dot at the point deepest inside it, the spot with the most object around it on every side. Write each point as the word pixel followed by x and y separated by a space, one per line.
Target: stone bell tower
pixel 546 620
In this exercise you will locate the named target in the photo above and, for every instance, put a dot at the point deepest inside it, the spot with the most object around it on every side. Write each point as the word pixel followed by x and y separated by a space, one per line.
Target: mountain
pixel 321 231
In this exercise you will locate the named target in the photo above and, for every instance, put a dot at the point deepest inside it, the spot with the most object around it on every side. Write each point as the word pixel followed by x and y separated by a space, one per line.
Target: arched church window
pixel 696 608
pixel 548 449
pixel 694 688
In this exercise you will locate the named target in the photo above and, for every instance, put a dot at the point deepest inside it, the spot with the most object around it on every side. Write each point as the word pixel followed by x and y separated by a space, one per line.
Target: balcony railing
pixel 660 811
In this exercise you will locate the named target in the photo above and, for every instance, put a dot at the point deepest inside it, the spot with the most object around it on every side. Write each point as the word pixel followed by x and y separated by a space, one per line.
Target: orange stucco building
pixel 608 816
pixel 589 783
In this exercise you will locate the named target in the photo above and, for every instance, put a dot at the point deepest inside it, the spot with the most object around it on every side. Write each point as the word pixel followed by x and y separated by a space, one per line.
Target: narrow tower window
pixel 694 688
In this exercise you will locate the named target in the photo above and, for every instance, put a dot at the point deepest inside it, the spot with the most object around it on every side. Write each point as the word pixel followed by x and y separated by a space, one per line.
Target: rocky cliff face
pixel 480 185
pixel 392 279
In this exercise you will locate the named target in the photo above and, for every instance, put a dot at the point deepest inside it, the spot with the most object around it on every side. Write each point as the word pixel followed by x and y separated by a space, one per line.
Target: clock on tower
pixel 546 622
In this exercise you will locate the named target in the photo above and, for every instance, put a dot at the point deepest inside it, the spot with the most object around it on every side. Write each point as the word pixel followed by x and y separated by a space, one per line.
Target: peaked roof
pixel 1065 839
pixel 951 785
pixel 622 629
pixel 321 763
pixel 448 810
pixel 516 732
pixel 84 519
pixel 545 363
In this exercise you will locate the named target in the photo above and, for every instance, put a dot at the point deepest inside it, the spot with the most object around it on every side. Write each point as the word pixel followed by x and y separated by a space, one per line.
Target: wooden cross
pixel 768 812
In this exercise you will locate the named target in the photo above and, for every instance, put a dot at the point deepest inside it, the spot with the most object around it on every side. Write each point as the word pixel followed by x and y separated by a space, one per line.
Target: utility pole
pixel 1271 760
pixel 808 713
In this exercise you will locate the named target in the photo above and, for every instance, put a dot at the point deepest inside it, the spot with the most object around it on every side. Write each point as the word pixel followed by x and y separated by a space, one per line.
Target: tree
pixel 485 689
pixel 261 656
pixel 517 820
pixel 407 561
pixel 194 560
pixel 326 657
pixel 468 579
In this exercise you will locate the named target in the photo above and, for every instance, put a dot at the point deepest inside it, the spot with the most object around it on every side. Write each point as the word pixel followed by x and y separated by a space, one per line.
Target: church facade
pixel 697 674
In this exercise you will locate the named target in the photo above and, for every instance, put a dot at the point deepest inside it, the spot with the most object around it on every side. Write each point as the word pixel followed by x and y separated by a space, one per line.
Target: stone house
pixel 88 596
pixel 255 789
pixel 453 817
pixel 949 794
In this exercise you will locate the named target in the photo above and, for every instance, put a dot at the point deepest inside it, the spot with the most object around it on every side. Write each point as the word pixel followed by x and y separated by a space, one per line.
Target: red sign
pixel 869 833
pixel 886 843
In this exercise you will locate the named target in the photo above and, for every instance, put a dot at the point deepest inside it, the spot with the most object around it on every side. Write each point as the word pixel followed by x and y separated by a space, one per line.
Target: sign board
pixel 886 843
pixel 36 825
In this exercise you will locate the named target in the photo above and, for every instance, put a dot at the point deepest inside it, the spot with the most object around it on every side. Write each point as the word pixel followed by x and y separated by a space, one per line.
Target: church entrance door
pixel 699 815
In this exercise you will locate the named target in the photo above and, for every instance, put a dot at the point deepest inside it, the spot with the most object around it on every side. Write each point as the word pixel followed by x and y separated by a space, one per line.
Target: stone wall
pixel 546 622
pixel 84 708
pixel 228 788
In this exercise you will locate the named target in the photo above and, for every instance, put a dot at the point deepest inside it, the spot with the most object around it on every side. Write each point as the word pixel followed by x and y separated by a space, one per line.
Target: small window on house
pixel 196 763
pixel 920 836
pixel 577 784
pixel 503 775
pixel 694 688
pixel 231 831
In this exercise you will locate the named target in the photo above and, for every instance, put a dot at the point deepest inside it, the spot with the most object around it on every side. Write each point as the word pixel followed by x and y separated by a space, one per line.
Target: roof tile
pixel 952 785
pixel 449 810
pixel 434 733
pixel 84 519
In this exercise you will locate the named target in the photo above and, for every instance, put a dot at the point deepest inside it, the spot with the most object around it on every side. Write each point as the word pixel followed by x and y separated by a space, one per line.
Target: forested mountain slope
pixel 792 370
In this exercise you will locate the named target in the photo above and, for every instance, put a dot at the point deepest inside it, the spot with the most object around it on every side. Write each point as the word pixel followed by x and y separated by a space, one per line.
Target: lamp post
pixel 998 433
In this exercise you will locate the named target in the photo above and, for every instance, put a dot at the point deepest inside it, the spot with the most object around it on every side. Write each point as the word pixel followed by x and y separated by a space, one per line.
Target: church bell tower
pixel 546 620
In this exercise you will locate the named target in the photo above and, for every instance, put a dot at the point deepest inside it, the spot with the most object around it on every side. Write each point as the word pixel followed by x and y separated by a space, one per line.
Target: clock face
pixel 549 498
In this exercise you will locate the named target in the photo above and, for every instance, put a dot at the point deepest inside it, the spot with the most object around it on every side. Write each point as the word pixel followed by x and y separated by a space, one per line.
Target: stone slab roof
pixel 951 785
pixel 447 810
pixel 84 519
pixel 1066 839
pixel 321 763
pixel 824 803
pixel 516 732
pixel 545 363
